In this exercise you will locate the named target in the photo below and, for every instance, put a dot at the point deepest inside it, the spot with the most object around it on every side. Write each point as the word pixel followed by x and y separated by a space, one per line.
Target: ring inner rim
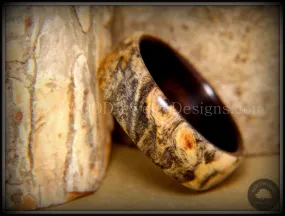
pixel 183 84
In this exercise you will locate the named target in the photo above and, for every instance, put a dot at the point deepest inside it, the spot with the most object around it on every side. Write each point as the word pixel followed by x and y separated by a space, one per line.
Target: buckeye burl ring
pixel 144 80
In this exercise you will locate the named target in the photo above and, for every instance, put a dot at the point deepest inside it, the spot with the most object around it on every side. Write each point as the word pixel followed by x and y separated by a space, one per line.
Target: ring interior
pixel 190 94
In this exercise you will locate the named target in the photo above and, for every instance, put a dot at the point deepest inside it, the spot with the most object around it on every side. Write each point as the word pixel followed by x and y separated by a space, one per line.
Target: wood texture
pixel 158 131
pixel 57 140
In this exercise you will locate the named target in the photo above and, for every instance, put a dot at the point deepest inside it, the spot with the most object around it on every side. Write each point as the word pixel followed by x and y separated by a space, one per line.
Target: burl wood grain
pixel 155 126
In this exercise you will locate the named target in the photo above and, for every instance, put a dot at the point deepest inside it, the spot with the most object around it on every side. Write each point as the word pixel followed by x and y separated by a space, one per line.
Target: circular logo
pixel 263 194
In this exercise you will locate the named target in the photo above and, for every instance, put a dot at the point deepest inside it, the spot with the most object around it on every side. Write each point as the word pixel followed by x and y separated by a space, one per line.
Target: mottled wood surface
pixel 159 131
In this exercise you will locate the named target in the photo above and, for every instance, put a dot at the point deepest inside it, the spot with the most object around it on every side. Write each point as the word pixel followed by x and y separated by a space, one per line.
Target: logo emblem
pixel 263 194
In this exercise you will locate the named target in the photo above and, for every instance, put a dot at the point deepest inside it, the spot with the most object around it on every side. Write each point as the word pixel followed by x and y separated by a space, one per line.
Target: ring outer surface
pixel 155 126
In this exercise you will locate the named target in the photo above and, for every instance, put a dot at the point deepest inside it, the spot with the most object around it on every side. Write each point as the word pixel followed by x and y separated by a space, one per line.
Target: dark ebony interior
pixel 180 83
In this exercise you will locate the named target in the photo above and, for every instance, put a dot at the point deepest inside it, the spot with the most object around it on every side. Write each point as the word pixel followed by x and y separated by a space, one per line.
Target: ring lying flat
pixel 143 79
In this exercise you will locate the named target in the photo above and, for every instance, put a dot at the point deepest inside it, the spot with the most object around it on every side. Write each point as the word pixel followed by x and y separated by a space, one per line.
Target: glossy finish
pixel 149 85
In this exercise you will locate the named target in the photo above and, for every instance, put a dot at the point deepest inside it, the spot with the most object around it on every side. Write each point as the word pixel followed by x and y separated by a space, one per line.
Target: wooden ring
pixel 144 80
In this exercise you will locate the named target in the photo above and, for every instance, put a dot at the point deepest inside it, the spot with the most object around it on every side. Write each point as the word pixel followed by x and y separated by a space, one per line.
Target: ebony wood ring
pixel 146 81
